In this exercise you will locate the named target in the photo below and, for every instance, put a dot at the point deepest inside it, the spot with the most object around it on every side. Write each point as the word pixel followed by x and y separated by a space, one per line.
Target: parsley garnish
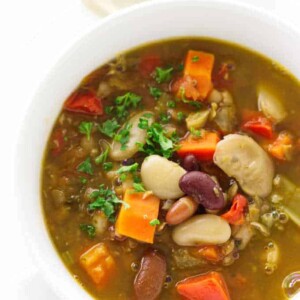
pixel 105 200
pixel 164 118
pixel 154 222
pixel 123 136
pixel 86 128
pixel 195 133
pixel 107 166
pixel 128 169
pixel 102 157
pixel 158 143
pixel 83 180
pixel 123 103
pixel 196 104
pixel 195 58
pixel 139 187
pixel 155 92
pixel 86 167
pixel 180 116
pixel 109 127
pixel 163 75
pixel 171 104
pixel 180 67
pixel 89 229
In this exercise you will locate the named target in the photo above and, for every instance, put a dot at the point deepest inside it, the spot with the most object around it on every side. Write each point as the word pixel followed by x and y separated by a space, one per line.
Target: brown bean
pixel 150 278
pixel 190 163
pixel 181 210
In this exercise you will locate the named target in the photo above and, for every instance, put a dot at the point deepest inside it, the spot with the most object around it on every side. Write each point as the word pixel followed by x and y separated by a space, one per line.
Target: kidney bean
pixel 181 210
pixel 150 278
pixel 203 189
pixel 190 163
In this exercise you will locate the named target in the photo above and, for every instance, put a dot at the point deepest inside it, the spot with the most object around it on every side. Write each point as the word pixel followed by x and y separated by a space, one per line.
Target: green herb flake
pixel 155 92
pixel 143 123
pixel 154 222
pixel 171 104
pixel 107 166
pixel 180 116
pixel 108 110
pixel 195 133
pixel 83 180
pixel 86 128
pixel 124 103
pixel 102 157
pixel 139 187
pixel 89 229
pixel 107 201
pixel 164 118
pixel 195 58
pixel 180 67
pixel 128 169
pixel 163 75
pixel 86 167
pixel 109 127
pixel 123 136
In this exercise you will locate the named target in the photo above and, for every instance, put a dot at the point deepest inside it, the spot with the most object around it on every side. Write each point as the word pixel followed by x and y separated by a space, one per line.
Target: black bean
pixel 190 163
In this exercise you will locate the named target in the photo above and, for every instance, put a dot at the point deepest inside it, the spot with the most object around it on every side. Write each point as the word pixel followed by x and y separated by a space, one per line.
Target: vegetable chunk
pixel 209 286
pixel 99 264
pixel 134 221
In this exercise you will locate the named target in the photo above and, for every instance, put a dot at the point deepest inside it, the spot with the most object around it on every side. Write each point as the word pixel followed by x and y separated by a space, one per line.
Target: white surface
pixel 34 33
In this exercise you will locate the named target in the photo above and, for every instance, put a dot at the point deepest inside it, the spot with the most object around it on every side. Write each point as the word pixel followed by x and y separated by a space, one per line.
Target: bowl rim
pixel 48 274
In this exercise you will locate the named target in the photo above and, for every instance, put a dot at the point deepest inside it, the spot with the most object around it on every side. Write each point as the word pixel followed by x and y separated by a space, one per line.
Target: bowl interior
pixel 134 26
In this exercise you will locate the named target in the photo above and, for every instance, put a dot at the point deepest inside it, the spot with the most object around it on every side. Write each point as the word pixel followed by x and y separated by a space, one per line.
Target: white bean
pixel 162 176
pixel 202 230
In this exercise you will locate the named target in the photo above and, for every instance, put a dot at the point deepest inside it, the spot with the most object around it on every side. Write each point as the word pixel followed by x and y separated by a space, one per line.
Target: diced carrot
pixel 211 253
pixel 203 147
pixel 282 147
pixel 134 218
pixel 257 123
pixel 148 64
pixel 99 264
pixel 235 215
pixel 209 286
pixel 196 82
pixel 84 101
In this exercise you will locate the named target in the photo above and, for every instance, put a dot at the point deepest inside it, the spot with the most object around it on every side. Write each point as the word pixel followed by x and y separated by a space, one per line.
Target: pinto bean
pixel 150 278
pixel 203 189
pixel 181 210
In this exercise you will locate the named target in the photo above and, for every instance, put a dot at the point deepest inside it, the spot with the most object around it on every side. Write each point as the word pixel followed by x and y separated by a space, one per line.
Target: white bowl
pixel 151 21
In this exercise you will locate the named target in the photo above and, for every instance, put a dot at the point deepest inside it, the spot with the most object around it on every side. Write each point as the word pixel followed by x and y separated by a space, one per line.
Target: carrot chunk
pixel 209 286
pixel 134 220
pixel 235 215
pixel 203 147
pixel 99 264
pixel 282 147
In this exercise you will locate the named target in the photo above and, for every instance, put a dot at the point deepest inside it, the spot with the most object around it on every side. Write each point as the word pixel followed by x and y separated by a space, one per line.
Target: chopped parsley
pixel 196 104
pixel 124 103
pixel 105 200
pixel 107 166
pixel 158 143
pixel 154 222
pixel 90 230
pixel 123 136
pixel 171 104
pixel 163 75
pixel 180 116
pixel 86 167
pixel 164 118
pixel 195 58
pixel 195 133
pixel 139 187
pixel 102 157
pixel 180 67
pixel 128 169
pixel 155 92
pixel 86 128
pixel 83 180
pixel 109 127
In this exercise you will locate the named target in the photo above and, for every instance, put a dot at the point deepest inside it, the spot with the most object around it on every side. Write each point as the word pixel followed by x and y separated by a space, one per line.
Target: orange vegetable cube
pixel 134 221
pixel 282 147
pixel 99 264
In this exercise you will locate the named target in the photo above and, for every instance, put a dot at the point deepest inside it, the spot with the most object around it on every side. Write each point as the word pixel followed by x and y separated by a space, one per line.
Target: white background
pixel 33 33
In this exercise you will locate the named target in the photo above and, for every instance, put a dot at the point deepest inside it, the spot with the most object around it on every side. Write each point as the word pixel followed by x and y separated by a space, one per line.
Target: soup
pixel 172 172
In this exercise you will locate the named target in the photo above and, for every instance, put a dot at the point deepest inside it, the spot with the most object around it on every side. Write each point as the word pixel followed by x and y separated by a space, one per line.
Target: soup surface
pixel 172 172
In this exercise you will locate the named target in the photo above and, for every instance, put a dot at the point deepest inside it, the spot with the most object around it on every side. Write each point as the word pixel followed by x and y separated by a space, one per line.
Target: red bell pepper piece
pixel 84 101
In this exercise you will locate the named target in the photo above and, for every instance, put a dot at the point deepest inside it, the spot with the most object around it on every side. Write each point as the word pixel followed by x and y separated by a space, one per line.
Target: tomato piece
pixel 84 101
pixel 186 87
pixel 282 148
pixel 148 64
pixel 258 124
